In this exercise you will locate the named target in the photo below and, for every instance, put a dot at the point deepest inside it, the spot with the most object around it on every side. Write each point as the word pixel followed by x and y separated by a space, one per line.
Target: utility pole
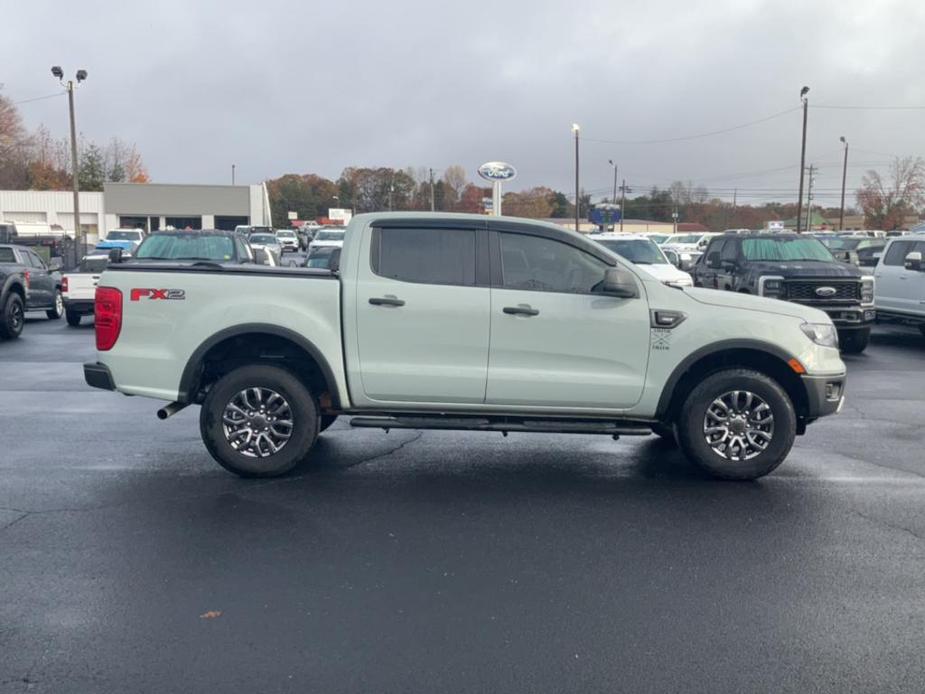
pixel 70 86
pixel 232 174
pixel 809 200
pixel 577 130
pixel 614 198
pixel 803 93
pixel 432 190
pixel 622 202
pixel 844 175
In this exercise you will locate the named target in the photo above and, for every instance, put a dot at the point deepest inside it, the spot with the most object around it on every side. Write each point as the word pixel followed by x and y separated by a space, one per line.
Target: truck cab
pixel 900 281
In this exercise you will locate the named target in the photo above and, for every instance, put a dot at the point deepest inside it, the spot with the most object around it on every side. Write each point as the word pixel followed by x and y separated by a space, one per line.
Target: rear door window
pixel 7 255
pixel 425 256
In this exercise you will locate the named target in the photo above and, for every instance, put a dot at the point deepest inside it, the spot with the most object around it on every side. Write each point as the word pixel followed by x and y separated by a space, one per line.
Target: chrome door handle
pixel 521 310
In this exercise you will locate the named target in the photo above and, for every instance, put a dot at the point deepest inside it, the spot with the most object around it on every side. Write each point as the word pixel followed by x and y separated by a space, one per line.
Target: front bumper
pixel 825 394
pixel 856 316
pixel 98 376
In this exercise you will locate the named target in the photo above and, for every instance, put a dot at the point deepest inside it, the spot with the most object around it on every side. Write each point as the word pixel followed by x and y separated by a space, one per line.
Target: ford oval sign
pixel 825 292
pixel 497 171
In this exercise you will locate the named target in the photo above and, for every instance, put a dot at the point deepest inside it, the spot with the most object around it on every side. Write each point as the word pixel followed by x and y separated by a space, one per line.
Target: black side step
pixel 505 424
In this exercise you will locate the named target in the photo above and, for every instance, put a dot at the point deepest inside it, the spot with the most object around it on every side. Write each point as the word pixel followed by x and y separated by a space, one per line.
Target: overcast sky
pixel 280 87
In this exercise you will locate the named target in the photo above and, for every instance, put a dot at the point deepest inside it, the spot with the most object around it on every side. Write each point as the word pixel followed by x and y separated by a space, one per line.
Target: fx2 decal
pixel 137 294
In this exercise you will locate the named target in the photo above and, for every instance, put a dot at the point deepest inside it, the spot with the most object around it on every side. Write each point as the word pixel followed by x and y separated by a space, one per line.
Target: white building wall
pixel 52 207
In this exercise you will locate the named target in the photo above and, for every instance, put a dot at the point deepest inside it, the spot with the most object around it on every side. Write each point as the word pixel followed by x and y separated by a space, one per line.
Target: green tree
pixel 91 173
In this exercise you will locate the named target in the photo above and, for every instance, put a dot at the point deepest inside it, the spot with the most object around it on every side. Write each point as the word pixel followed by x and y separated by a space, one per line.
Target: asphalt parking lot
pixel 453 562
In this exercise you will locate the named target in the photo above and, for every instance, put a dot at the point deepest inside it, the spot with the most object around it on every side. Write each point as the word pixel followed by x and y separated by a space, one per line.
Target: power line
pixel 869 108
pixel 694 137
pixel 38 98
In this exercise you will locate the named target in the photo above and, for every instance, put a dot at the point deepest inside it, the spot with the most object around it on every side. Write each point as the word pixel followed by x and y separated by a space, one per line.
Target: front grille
pixel 805 291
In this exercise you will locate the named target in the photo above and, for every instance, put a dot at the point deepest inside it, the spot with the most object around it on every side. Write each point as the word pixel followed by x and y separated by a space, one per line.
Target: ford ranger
pixel 440 321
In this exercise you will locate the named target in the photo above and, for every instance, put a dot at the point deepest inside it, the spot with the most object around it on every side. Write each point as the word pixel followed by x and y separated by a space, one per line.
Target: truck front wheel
pixel 737 424
pixel 258 421
pixel 853 341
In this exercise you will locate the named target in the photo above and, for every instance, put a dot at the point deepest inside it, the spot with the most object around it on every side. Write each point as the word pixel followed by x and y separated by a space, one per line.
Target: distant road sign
pixel 604 215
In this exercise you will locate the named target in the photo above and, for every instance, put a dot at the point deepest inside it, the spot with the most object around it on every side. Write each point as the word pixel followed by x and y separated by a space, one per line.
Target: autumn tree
pixel 536 203
pixel 308 195
pixel 887 200
pixel 454 180
pixel 14 147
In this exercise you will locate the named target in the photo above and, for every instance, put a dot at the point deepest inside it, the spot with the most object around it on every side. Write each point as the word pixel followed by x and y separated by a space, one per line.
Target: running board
pixel 504 425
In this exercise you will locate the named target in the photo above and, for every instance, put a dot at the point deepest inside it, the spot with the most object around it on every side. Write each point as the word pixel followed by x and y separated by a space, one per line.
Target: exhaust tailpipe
pixel 170 410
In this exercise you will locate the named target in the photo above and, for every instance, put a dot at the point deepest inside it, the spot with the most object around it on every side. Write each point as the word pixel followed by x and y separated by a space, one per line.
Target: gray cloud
pixel 280 87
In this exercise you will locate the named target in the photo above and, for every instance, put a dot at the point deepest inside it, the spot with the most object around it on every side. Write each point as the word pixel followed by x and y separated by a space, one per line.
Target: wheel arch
pixel 764 357
pixel 257 343
pixel 12 284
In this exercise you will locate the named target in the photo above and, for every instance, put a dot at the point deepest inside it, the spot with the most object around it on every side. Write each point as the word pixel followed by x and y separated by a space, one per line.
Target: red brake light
pixel 107 315
pixel 27 278
pixel 64 284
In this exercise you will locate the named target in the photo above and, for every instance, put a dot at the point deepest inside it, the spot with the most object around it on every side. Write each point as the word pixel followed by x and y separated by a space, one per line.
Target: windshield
pixel 262 238
pixel 186 247
pixel 286 234
pixel 321 257
pixel 659 238
pixel 122 235
pixel 329 236
pixel 95 265
pixel 639 251
pixel 841 243
pixel 683 238
pixel 772 249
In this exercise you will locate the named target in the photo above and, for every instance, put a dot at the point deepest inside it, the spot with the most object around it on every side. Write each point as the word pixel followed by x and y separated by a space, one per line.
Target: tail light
pixel 107 315
pixel 64 285
pixel 27 278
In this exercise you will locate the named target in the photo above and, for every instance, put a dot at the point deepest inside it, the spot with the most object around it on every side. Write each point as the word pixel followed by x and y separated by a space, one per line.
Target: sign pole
pixel 496 198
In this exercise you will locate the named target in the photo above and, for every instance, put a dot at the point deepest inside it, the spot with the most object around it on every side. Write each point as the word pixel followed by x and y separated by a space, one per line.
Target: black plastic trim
pixel 818 405
pixel 561 235
pixel 428 223
pixel 188 381
pixel 258 270
pixel 715 348
pixel 98 376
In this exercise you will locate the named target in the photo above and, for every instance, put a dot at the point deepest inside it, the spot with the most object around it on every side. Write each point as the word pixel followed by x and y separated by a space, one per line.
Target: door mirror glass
pixel 55 264
pixel 914 261
pixel 115 255
pixel 713 261
pixel 619 282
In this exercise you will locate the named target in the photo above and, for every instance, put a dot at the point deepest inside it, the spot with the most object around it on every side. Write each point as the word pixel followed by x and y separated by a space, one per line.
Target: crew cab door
pixel 892 288
pixel 555 343
pixel 41 282
pixel 422 312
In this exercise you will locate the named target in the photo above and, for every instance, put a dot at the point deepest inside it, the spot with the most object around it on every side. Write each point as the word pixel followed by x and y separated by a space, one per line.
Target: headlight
pixel 867 290
pixel 770 286
pixel 823 334
pixel 680 282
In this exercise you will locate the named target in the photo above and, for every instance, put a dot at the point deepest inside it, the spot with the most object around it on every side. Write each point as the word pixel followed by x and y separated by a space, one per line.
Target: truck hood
pixel 665 272
pixel 750 302
pixel 805 269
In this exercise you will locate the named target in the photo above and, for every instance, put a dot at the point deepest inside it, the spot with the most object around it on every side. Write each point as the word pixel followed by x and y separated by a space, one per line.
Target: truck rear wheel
pixel 853 341
pixel 12 316
pixel 737 424
pixel 258 421
pixel 72 317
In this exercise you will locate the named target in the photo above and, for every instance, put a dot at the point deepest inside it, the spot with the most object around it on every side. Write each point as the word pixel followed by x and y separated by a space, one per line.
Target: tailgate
pixel 80 286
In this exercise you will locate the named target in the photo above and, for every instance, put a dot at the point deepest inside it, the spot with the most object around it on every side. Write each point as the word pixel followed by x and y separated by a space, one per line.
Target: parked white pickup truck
pixel 78 289
pixel 439 321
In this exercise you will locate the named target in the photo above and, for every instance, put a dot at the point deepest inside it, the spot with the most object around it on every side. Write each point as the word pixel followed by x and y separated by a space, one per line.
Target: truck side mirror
pixel 914 261
pixel 334 263
pixel 115 255
pixel 619 282
pixel 55 264
pixel 713 261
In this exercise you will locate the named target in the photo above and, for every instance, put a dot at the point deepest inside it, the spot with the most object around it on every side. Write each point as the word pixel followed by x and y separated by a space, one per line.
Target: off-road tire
pixel 691 423
pixel 72 318
pixel 304 420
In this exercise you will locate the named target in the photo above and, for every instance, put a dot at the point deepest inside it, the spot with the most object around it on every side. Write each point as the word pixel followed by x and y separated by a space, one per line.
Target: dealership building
pixel 149 206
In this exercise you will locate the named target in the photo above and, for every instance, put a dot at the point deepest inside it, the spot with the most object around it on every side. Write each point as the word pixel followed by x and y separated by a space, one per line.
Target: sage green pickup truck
pixel 467 322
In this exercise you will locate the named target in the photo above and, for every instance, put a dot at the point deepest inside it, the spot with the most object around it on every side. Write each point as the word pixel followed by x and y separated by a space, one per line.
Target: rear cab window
pixel 424 256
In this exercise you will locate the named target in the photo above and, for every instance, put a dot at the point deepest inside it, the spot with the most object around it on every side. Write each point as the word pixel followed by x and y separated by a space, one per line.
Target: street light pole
pixel 844 175
pixel 614 198
pixel 232 174
pixel 577 130
pixel 70 86
pixel 803 92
